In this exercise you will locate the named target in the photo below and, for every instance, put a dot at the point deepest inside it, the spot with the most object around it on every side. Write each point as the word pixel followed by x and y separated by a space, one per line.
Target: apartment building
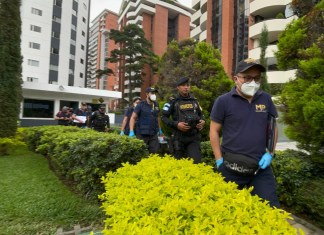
pixel 100 48
pixel 235 26
pixel 161 22
pixel 275 15
pixel 54 49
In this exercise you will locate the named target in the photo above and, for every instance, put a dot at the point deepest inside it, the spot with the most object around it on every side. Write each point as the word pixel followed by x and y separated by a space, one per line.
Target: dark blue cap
pixel 182 80
pixel 246 64
pixel 151 89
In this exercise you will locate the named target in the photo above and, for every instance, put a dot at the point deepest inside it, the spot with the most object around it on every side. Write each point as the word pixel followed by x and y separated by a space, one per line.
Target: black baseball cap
pixel 182 80
pixel 102 106
pixel 246 64
pixel 136 98
pixel 151 89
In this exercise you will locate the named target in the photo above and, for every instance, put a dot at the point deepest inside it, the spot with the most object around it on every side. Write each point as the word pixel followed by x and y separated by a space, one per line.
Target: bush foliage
pixel 162 195
pixel 84 155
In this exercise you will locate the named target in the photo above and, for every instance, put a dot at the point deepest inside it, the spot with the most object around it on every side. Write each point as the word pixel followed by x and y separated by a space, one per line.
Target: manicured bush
pixel 168 196
pixel 9 145
pixel 84 155
pixel 291 169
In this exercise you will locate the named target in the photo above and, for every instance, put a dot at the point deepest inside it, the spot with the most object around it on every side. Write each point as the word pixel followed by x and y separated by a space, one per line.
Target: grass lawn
pixel 34 201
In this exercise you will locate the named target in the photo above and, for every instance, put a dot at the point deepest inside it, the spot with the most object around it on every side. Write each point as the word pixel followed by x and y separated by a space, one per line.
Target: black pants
pixel 187 146
pixel 151 141
pixel 264 183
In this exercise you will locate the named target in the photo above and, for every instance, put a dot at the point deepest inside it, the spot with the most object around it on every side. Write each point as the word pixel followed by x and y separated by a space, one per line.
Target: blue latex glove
pixel 219 162
pixel 265 160
pixel 131 134
pixel 122 133
pixel 160 132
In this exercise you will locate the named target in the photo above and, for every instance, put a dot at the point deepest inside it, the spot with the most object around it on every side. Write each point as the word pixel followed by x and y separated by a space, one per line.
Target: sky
pixel 97 6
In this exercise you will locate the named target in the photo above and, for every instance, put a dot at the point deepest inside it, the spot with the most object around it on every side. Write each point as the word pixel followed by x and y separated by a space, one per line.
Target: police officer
pixel 187 121
pixel 147 115
pixel 127 116
pixel 99 120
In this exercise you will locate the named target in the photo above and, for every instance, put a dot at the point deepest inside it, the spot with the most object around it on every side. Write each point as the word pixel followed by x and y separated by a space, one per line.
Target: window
pixel 55 50
pixel 57 19
pixel 81 75
pixel 84 20
pixel 81 61
pixel 55 34
pixel 35 28
pixel 33 63
pixel 34 45
pixel 58 3
pixel 82 47
pixel 36 11
pixel 38 108
pixel 53 67
pixel 32 79
pixel 83 33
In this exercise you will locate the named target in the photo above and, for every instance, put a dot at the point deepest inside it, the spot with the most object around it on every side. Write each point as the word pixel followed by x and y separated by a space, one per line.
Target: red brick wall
pixel 183 27
pixel 160 30
pixel 227 35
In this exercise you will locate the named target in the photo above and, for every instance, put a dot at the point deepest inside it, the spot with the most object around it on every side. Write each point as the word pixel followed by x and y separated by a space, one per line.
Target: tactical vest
pixel 187 111
pixel 148 119
pixel 99 120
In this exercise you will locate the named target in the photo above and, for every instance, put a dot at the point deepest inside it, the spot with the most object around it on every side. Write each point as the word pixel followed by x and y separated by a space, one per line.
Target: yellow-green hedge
pixel 168 196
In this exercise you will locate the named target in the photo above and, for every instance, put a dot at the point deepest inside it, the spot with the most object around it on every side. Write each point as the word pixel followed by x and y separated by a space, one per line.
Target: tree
pixel 10 66
pixel 135 51
pixel 302 7
pixel 200 62
pixel 301 47
pixel 264 42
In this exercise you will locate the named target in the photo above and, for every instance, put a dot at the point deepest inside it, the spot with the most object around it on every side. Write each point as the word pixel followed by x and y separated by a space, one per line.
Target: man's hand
pixel 219 162
pixel 201 125
pixel 131 134
pixel 265 160
pixel 183 126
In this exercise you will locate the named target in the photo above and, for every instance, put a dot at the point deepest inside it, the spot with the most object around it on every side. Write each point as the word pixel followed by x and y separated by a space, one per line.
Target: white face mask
pixel 250 88
pixel 153 97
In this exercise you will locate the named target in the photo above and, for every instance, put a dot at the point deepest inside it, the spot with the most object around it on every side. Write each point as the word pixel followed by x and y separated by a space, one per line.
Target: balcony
pixel 281 76
pixel 255 53
pixel 195 32
pixel 268 9
pixel 275 27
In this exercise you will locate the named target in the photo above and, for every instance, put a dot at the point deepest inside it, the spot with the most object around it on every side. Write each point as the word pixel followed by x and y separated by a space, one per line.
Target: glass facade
pixel 34 108
pixel 241 31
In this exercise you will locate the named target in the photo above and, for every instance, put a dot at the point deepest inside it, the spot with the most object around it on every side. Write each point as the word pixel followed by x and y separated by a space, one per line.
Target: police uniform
pixel 184 109
pixel 99 121
pixel 147 123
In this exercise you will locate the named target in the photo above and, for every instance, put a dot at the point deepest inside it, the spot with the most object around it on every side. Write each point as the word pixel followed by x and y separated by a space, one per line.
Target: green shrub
pixel 84 155
pixel 9 145
pixel 291 169
pixel 207 153
pixel 168 196
pixel 311 200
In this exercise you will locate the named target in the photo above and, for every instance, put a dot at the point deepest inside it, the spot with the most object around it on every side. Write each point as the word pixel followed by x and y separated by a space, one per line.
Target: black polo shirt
pixel 244 124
